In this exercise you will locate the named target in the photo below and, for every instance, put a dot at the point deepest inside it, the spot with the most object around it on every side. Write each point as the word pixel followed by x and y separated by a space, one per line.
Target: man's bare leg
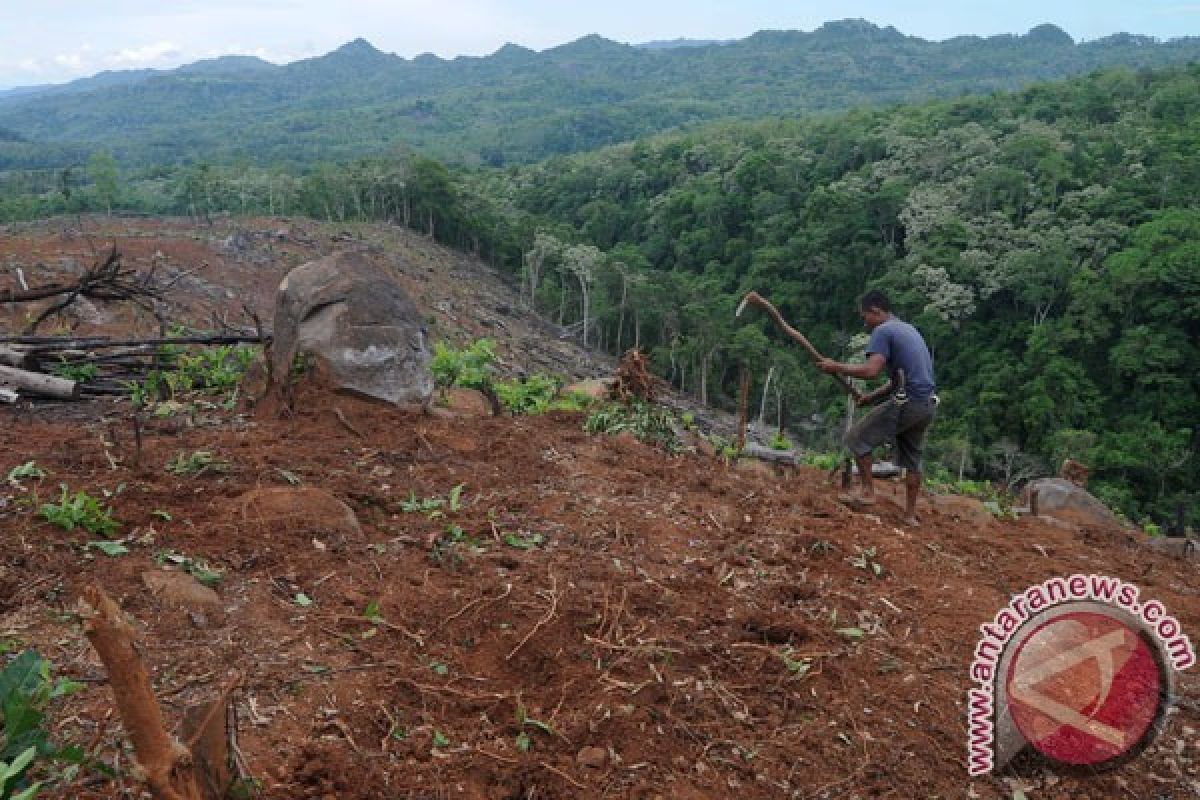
pixel 912 490
pixel 865 475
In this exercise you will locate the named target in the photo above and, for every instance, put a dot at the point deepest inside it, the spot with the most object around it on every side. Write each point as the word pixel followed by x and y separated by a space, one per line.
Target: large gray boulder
pixel 358 324
pixel 1062 499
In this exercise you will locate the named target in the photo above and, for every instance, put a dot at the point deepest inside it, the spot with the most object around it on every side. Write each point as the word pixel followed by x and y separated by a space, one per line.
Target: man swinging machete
pixel 909 399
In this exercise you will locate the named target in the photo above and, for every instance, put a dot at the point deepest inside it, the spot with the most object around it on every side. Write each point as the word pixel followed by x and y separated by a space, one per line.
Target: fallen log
pixel 37 383
pixel 769 454
pixel 13 357
pixel 48 344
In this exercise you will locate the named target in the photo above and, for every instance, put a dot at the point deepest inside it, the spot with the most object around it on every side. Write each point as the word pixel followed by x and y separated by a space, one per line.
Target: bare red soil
pixel 597 619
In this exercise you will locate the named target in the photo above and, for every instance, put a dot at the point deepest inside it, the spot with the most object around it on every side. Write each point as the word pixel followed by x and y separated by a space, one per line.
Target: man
pixel 907 412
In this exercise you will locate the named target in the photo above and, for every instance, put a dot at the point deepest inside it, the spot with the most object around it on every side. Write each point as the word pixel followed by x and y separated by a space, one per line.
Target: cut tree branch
pixel 169 768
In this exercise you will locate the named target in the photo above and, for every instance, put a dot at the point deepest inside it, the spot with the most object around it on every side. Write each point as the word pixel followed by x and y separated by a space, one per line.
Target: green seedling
pixel 80 510
pixel 799 667
pixel 865 560
pixel 196 463
pixel 80 373
pixel 25 471
pixel 425 505
pixel 200 570
pixel 781 442
pixel 523 719
pixel 111 549
pixel 455 499
pixel 523 540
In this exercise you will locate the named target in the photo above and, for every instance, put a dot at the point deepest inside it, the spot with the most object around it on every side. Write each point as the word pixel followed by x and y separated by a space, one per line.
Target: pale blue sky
pixel 52 41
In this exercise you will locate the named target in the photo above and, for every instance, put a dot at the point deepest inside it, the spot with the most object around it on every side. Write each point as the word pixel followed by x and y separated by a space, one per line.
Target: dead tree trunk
pixel 169 767
pixel 37 383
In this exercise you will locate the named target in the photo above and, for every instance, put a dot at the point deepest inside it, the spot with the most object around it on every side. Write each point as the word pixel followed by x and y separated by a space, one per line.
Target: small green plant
pixel 200 570
pixel 80 373
pixel 454 499
pixel 523 540
pixel 524 720
pixel 25 471
pixel 781 442
pixel 649 423
pixel 215 371
pixel 425 505
pixel 1152 529
pixel 999 509
pixel 432 506
pixel 523 742
pixel 440 739
pixel 572 401
pixel 799 667
pixel 196 463
pixel 534 395
pixel 725 449
pixel 822 461
pixel 865 560
pixel 26 688
pixel 110 549
pixel 80 510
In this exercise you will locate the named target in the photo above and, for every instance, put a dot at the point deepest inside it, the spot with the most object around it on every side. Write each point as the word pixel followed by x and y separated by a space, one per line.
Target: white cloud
pixel 29 65
pixel 146 54
pixel 69 60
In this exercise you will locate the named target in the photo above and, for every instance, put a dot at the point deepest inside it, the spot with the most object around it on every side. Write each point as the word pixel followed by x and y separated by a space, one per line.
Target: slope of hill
pixel 593 618
pixel 517 105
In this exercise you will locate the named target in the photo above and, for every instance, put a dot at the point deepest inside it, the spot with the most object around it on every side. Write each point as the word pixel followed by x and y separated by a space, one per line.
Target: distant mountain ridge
pixel 518 105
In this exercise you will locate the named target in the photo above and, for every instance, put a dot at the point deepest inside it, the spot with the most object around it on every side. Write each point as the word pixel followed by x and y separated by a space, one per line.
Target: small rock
pixel 592 757
pixel 178 589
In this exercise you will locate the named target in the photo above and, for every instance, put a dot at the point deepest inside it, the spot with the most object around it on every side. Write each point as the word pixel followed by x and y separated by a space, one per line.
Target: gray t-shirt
pixel 903 348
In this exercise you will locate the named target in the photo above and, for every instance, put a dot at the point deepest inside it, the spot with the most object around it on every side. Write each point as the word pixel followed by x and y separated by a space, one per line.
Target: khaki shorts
pixel 907 423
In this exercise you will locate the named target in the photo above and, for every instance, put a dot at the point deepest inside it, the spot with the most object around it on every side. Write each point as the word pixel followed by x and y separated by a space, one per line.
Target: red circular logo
pixel 1084 688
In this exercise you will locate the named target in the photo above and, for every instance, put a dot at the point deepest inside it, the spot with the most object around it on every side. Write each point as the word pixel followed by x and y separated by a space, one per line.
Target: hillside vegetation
pixel 1045 241
pixel 517 105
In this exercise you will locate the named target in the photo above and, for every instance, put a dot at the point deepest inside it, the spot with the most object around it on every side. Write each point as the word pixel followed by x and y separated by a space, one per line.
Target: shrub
pixel 471 367
pixel 649 423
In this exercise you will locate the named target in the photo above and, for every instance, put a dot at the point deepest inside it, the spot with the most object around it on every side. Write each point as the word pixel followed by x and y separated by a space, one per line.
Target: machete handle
pixel 755 299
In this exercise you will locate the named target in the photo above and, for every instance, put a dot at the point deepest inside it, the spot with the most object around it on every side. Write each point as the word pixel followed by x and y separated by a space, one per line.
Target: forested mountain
pixel 517 105
pixel 1047 242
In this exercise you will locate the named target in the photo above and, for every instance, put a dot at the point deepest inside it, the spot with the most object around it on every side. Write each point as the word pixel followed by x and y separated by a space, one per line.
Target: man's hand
pixel 829 365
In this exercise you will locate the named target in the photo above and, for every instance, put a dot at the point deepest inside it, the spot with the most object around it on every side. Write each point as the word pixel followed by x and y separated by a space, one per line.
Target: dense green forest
pixel 518 106
pixel 1046 241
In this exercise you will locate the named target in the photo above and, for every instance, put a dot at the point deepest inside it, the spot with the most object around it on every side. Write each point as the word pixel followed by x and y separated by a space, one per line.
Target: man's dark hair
pixel 875 299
